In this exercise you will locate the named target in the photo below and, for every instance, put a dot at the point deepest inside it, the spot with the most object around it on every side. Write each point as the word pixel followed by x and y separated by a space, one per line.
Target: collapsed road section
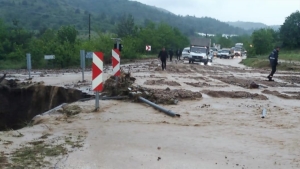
pixel 21 101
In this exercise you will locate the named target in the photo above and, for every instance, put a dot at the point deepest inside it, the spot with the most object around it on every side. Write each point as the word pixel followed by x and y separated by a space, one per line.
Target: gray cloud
pixel 270 12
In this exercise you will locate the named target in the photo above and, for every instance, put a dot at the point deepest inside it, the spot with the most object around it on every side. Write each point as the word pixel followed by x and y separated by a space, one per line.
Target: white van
pixel 185 53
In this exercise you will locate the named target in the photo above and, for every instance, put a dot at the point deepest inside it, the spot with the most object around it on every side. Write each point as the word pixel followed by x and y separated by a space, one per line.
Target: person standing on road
pixel 273 57
pixel 178 53
pixel 171 53
pixel 163 54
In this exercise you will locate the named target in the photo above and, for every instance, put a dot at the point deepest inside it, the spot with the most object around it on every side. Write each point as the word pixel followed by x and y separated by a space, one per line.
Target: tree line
pixel 263 40
pixel 66 42
pixel 105 14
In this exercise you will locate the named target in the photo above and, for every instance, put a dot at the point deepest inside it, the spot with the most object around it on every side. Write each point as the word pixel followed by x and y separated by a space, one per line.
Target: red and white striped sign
pixel 116 62
pixel 148 48
pixel 97 75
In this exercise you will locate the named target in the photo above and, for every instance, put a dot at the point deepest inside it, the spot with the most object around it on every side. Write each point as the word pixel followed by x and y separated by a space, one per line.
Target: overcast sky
pixel 270 12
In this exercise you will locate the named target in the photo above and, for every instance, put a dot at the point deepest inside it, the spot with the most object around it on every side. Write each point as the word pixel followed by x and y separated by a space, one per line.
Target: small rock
pixel 158 158
pixel 158 148
pixel 168 89
pixel 253 85
pixel 175 101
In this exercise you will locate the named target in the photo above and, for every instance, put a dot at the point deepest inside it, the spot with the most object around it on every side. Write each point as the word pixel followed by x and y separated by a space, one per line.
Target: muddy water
pixel 213 132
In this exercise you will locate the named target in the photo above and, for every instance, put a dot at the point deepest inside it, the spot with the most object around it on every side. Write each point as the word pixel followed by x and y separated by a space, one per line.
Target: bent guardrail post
pixel 168 112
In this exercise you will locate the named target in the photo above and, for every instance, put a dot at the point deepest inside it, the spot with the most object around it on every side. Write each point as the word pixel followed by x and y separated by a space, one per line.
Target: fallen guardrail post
pixel 168 112
pixel 264 113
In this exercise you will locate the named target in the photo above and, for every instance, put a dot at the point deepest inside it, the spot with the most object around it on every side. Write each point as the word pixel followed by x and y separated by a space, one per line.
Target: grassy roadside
pixel 4 65
pixel 289 60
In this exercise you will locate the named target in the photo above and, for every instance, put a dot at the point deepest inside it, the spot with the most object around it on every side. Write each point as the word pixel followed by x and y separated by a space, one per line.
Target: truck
pixel 239 45
pixel 239 49
pixel 199 50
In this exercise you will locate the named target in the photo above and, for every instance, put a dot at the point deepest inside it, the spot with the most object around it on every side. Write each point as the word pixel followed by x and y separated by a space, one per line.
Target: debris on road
pixel 235 94
pixel 204 84
pixel 162 82
pixel 113 87
pixel 71 110
pixel 164 96
pixel 280 95
pixel 253 85
pixel 125 87
pixel 246 83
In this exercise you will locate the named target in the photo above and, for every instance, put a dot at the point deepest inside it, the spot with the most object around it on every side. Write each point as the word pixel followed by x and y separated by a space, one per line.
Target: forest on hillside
pixel 36 15
pixel 52 27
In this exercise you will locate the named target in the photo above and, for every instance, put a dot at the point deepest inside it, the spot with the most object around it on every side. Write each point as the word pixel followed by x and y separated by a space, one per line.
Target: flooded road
pixel 223 129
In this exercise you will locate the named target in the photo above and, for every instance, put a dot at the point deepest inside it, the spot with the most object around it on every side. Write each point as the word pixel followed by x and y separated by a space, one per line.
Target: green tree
pixel 263 41
pixel 4 43
pixel 67 33
pixel 126 26
pixel 225 42
pixel 290 31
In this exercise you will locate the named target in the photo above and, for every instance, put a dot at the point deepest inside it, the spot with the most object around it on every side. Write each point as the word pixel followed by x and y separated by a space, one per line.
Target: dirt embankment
pixel 162 82
pixel 165 96
pixel 295 96
pixel 179 69
pixel 199 84
pixel 235 95
pixel 290 79
pixel 245 83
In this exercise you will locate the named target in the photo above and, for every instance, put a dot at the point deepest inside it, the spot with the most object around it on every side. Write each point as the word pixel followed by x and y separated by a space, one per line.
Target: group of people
pixel 163 55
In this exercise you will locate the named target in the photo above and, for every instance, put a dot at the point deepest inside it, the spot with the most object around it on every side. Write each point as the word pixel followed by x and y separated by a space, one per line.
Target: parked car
pixel 185 53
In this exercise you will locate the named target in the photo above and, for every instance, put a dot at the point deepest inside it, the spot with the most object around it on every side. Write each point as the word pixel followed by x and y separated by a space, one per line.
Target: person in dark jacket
pixel 171 53
pixel 163 54
pixel 273 57
pixel 178 54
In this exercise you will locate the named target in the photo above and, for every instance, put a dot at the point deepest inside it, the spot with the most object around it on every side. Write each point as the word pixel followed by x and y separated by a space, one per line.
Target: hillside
pixel 252 25
pixel 37 14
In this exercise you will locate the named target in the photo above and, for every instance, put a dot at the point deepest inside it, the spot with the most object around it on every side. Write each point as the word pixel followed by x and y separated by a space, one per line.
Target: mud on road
pixel 220 124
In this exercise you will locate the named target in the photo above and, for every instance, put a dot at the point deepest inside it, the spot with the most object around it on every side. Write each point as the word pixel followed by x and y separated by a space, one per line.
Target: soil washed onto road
pixel 220 124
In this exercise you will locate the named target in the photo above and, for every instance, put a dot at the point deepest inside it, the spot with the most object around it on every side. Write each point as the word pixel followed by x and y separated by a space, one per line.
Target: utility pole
pixel 89 26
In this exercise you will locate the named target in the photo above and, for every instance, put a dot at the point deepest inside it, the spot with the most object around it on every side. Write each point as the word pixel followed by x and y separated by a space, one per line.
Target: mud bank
pixel 20 104
pixel 245 83
pixel 235 94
